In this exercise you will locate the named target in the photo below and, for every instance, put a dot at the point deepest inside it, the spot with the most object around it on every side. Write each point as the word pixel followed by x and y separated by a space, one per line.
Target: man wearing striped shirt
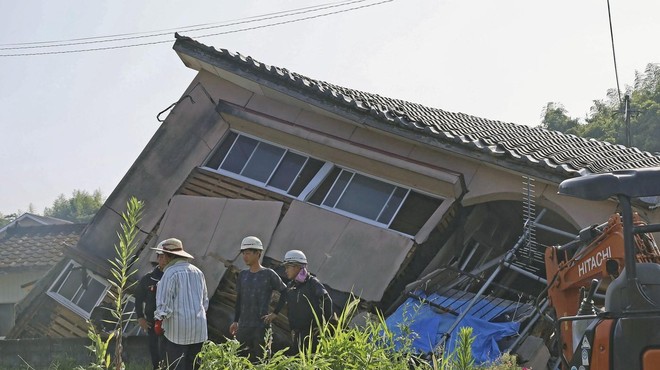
pixel 181 304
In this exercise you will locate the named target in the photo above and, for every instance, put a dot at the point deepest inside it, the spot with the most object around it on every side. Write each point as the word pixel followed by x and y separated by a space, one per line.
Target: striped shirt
pixel 181 302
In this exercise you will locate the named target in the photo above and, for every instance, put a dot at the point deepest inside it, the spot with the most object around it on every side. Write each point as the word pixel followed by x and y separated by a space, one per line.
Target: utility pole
pixel 626 119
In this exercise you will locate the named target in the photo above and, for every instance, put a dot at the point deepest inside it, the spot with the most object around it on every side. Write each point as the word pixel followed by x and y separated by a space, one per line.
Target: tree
pixel 605 120
pixel 555 118
pixel 81 207
pixel 6 219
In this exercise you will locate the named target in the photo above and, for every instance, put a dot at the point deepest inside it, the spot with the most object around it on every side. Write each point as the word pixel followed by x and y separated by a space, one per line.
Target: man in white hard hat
pixel 307 302
pixel 181 304
pixel 254 290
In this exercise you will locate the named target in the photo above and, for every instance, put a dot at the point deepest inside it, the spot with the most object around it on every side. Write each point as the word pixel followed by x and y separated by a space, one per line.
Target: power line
pixel 218 24
pixel 200 36
pixel 616 70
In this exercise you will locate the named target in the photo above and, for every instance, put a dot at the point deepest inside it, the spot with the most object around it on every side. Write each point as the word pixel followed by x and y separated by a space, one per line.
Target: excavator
pixel 619 257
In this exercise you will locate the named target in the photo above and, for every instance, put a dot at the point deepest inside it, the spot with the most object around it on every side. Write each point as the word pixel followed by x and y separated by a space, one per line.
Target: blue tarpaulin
pixel 427 325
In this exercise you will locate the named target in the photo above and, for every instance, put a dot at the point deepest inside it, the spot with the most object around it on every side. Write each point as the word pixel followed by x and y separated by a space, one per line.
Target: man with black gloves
pixel 145 305
pixel 307 301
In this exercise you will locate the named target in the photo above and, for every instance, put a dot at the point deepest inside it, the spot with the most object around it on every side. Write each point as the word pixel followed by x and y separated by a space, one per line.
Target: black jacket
pixel 145 295
pixel 300 299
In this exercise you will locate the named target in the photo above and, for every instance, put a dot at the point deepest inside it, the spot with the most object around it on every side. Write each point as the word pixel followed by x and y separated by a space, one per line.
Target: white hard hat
pixel 251 242
pixel 295 256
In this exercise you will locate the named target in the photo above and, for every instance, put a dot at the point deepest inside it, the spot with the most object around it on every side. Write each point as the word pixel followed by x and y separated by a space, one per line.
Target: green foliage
pixel 605 120
pixel 342 346
pixel 81 207
pixel 121 271
pixel 6 219
pixel 555 118
pixel 462 358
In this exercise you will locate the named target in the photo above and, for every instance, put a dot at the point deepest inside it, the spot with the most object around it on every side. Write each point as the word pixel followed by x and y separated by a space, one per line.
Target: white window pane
pixel 365 196
pixel 72 282
pixel 392 205
pixel 91 295
pixel 287 171
pixel 263 162
pixel 239 154
pixel 337 188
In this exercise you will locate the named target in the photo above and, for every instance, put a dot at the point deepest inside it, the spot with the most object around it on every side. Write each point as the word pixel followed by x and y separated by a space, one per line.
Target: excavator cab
pixel 626 333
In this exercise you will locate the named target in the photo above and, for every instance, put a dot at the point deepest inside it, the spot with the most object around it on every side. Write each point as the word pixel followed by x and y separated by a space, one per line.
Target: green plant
pixel 122 271
pixel 462 357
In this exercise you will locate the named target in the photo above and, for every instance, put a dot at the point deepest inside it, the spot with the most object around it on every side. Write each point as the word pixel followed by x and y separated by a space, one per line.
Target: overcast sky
pixel 78 120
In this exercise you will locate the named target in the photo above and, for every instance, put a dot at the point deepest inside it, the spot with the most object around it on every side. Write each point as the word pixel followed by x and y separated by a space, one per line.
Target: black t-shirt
pixel 145 295
pixel 254 292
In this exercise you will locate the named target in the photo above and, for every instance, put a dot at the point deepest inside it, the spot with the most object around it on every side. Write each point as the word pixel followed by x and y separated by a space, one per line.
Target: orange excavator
pixel 620 258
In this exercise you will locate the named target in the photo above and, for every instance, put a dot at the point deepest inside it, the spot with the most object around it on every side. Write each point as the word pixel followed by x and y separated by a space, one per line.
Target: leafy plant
pixel 121 272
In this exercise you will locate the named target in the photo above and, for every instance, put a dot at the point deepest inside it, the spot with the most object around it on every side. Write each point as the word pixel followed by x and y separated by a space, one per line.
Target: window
pixel 338 189
pixel 264 164
pixel 78 289
pixel 376 201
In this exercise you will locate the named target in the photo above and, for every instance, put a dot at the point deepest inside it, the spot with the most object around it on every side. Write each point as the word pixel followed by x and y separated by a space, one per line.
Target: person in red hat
pixel 181 304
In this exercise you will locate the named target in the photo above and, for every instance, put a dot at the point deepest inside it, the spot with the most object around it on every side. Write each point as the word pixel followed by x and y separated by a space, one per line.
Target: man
pixel 254 290
pixel 181 304
pixel 145 305
pixel 307 302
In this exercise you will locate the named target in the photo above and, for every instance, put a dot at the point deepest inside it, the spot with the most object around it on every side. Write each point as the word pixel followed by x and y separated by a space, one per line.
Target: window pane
pixel 365 196
pixel 239 154
pixel 310 170
pixel 414 213
pixel 71 284
pixel 337 188
pixel 221 152
pixel 91 295
pixel 392 205
pixel 322 190
pixel 287 171
pixel 263 162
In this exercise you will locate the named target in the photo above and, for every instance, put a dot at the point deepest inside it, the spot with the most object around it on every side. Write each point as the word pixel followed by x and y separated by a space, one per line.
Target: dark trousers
pixel 252 340
pixel 301 340
pixel 181 356
pixel 156 347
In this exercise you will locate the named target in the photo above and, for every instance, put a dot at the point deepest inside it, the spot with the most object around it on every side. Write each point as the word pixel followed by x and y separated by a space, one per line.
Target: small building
pixel 29 247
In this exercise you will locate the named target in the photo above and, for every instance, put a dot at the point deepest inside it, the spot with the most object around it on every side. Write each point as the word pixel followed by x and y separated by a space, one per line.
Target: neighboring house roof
pixel 547 151
pixel 30 219
pixel 37 246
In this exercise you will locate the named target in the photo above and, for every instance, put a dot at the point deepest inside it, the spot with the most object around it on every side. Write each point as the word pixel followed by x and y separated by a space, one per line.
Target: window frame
pixel 66 301
pixel 260 184
pixel 315 182
pixel 354 215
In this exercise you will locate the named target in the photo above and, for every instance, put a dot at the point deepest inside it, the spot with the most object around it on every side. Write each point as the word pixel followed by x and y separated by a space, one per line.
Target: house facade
pixel 378 192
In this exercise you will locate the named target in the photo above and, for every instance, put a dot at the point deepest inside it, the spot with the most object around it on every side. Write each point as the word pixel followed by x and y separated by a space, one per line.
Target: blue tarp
pixel 427 326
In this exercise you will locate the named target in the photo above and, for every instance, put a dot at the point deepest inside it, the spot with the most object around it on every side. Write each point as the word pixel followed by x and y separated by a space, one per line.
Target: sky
pixel 78 120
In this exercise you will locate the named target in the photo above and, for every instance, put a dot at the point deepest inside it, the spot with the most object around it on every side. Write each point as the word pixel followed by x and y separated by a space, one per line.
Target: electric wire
pixel 345 2
pixel 201 36
pixel 168 32
pixel 616 70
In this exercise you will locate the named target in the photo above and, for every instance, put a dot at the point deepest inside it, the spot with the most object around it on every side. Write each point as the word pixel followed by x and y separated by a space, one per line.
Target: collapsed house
pixel 386 197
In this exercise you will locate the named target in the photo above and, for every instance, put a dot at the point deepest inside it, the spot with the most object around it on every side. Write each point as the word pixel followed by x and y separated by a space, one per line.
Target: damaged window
pixel 322 183
pixel 264 164
pixel 396 207
pixel 78 289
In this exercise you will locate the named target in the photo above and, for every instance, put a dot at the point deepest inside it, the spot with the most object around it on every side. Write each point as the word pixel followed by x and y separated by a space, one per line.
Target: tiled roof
pixel 548 151
pixel 37 246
